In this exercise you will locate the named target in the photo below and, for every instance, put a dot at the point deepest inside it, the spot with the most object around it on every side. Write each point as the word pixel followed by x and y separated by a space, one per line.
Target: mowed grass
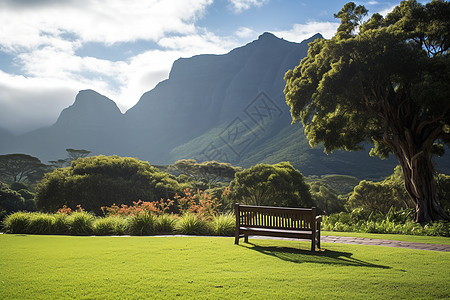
pixel 67 267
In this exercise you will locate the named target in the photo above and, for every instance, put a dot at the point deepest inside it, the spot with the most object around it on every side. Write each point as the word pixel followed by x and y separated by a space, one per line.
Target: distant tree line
pixel 102 181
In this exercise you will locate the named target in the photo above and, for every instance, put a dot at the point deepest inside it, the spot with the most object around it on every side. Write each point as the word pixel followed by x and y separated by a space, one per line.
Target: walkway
pixel 386 243
pixel 373 242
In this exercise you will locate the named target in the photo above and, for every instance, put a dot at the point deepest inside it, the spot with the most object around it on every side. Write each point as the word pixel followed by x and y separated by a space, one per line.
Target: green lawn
pixel 56 267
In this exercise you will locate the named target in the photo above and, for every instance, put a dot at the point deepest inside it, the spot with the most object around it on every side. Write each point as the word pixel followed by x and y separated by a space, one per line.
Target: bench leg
pixel 318 237
pixel 313 245
pixel 246 238
pixel 236 240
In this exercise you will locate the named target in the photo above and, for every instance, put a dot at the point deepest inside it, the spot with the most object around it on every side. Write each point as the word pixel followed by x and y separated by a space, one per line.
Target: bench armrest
pixel 318 219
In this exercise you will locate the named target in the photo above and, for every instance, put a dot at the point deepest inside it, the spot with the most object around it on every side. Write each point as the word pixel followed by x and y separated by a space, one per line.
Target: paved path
pixel 386 243
pixel 374 242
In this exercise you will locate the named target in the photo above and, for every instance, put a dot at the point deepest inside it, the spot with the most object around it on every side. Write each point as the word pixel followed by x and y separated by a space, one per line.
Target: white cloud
pixel 387 10
pixel 245 32
pixel 300 32
pixel 198 43
pixel 28 103
pixel 143 72
pixel 93 20
pixel 240 5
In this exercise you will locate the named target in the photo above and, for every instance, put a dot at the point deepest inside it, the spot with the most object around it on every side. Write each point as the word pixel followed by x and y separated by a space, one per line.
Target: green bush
pixel 141 224
pixel 438 229
pixel 224 224
pixel 112 225
pixel 190 224
pixel 104 226
pixel 10 200
pixel 41 223
pixel 94 182
pixel 165 224
pixel 395 222
pixel 81 223
pixel 274 185
pixel 120 225
pixel 17 222
pixel 61 224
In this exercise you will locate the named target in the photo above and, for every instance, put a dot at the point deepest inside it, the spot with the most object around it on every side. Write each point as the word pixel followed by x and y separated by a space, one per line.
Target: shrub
pixel 112 225
pixel 100 181
pixel 80 223
pixel 396 222
pixel 165 223
pixel 441 228
pixel 10 200
pixel 327 200
pixel 17 222
pixel 3 214
pixel 190 224
pixel 141 224
pixel 41 223
pixel 154 208
pixel 61 224
pixel 201 203
pixel 224 224
pixel 103 226
pixel 120 226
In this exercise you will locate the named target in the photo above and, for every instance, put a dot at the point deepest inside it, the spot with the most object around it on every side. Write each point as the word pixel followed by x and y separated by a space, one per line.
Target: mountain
pixel 205 91
pixel 226 107
pixel 5 136
pixel 91 122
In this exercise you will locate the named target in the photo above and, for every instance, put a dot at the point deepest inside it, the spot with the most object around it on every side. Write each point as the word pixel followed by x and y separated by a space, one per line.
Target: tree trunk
pixel 420 184
pixel 411 141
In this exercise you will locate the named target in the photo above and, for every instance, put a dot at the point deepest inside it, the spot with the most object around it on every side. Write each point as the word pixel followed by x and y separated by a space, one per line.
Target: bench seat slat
pixel 276 232
pixel 277 227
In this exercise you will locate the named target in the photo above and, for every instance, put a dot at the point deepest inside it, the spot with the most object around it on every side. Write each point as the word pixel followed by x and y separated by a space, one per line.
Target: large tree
pixel 276 185
pixel 10 200
pixel 97 181
pixel 20 167
pixel 74 154
pixel 209 172
pixel 384 81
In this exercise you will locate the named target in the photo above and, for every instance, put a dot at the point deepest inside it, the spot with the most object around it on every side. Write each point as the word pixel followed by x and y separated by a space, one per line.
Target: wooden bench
pixel 301 223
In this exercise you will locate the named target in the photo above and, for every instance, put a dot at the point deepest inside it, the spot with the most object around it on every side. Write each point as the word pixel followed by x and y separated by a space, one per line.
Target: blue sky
pixel 51 49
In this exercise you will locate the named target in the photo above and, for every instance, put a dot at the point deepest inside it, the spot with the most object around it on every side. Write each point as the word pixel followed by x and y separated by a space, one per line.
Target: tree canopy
pixel 276 185
pixel 20 167
pixel 74 154
pixel 12 201
pixel 384 81
pixel 328 201
pixel 209 172
pixel 97 181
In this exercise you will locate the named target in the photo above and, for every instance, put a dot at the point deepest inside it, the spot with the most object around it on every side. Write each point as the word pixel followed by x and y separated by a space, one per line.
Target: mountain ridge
pixel 227 107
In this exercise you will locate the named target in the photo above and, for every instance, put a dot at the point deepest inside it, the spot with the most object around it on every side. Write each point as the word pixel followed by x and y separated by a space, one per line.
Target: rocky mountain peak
pixel 90 107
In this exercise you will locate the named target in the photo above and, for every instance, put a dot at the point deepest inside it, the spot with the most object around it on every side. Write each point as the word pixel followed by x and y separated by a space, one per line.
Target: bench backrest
pixel 275 217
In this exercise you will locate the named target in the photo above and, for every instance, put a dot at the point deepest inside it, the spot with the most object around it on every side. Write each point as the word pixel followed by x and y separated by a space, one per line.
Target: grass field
pixel 67 267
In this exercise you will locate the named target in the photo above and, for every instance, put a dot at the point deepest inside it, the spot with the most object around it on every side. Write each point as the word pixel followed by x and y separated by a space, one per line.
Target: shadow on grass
pixel 298 256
